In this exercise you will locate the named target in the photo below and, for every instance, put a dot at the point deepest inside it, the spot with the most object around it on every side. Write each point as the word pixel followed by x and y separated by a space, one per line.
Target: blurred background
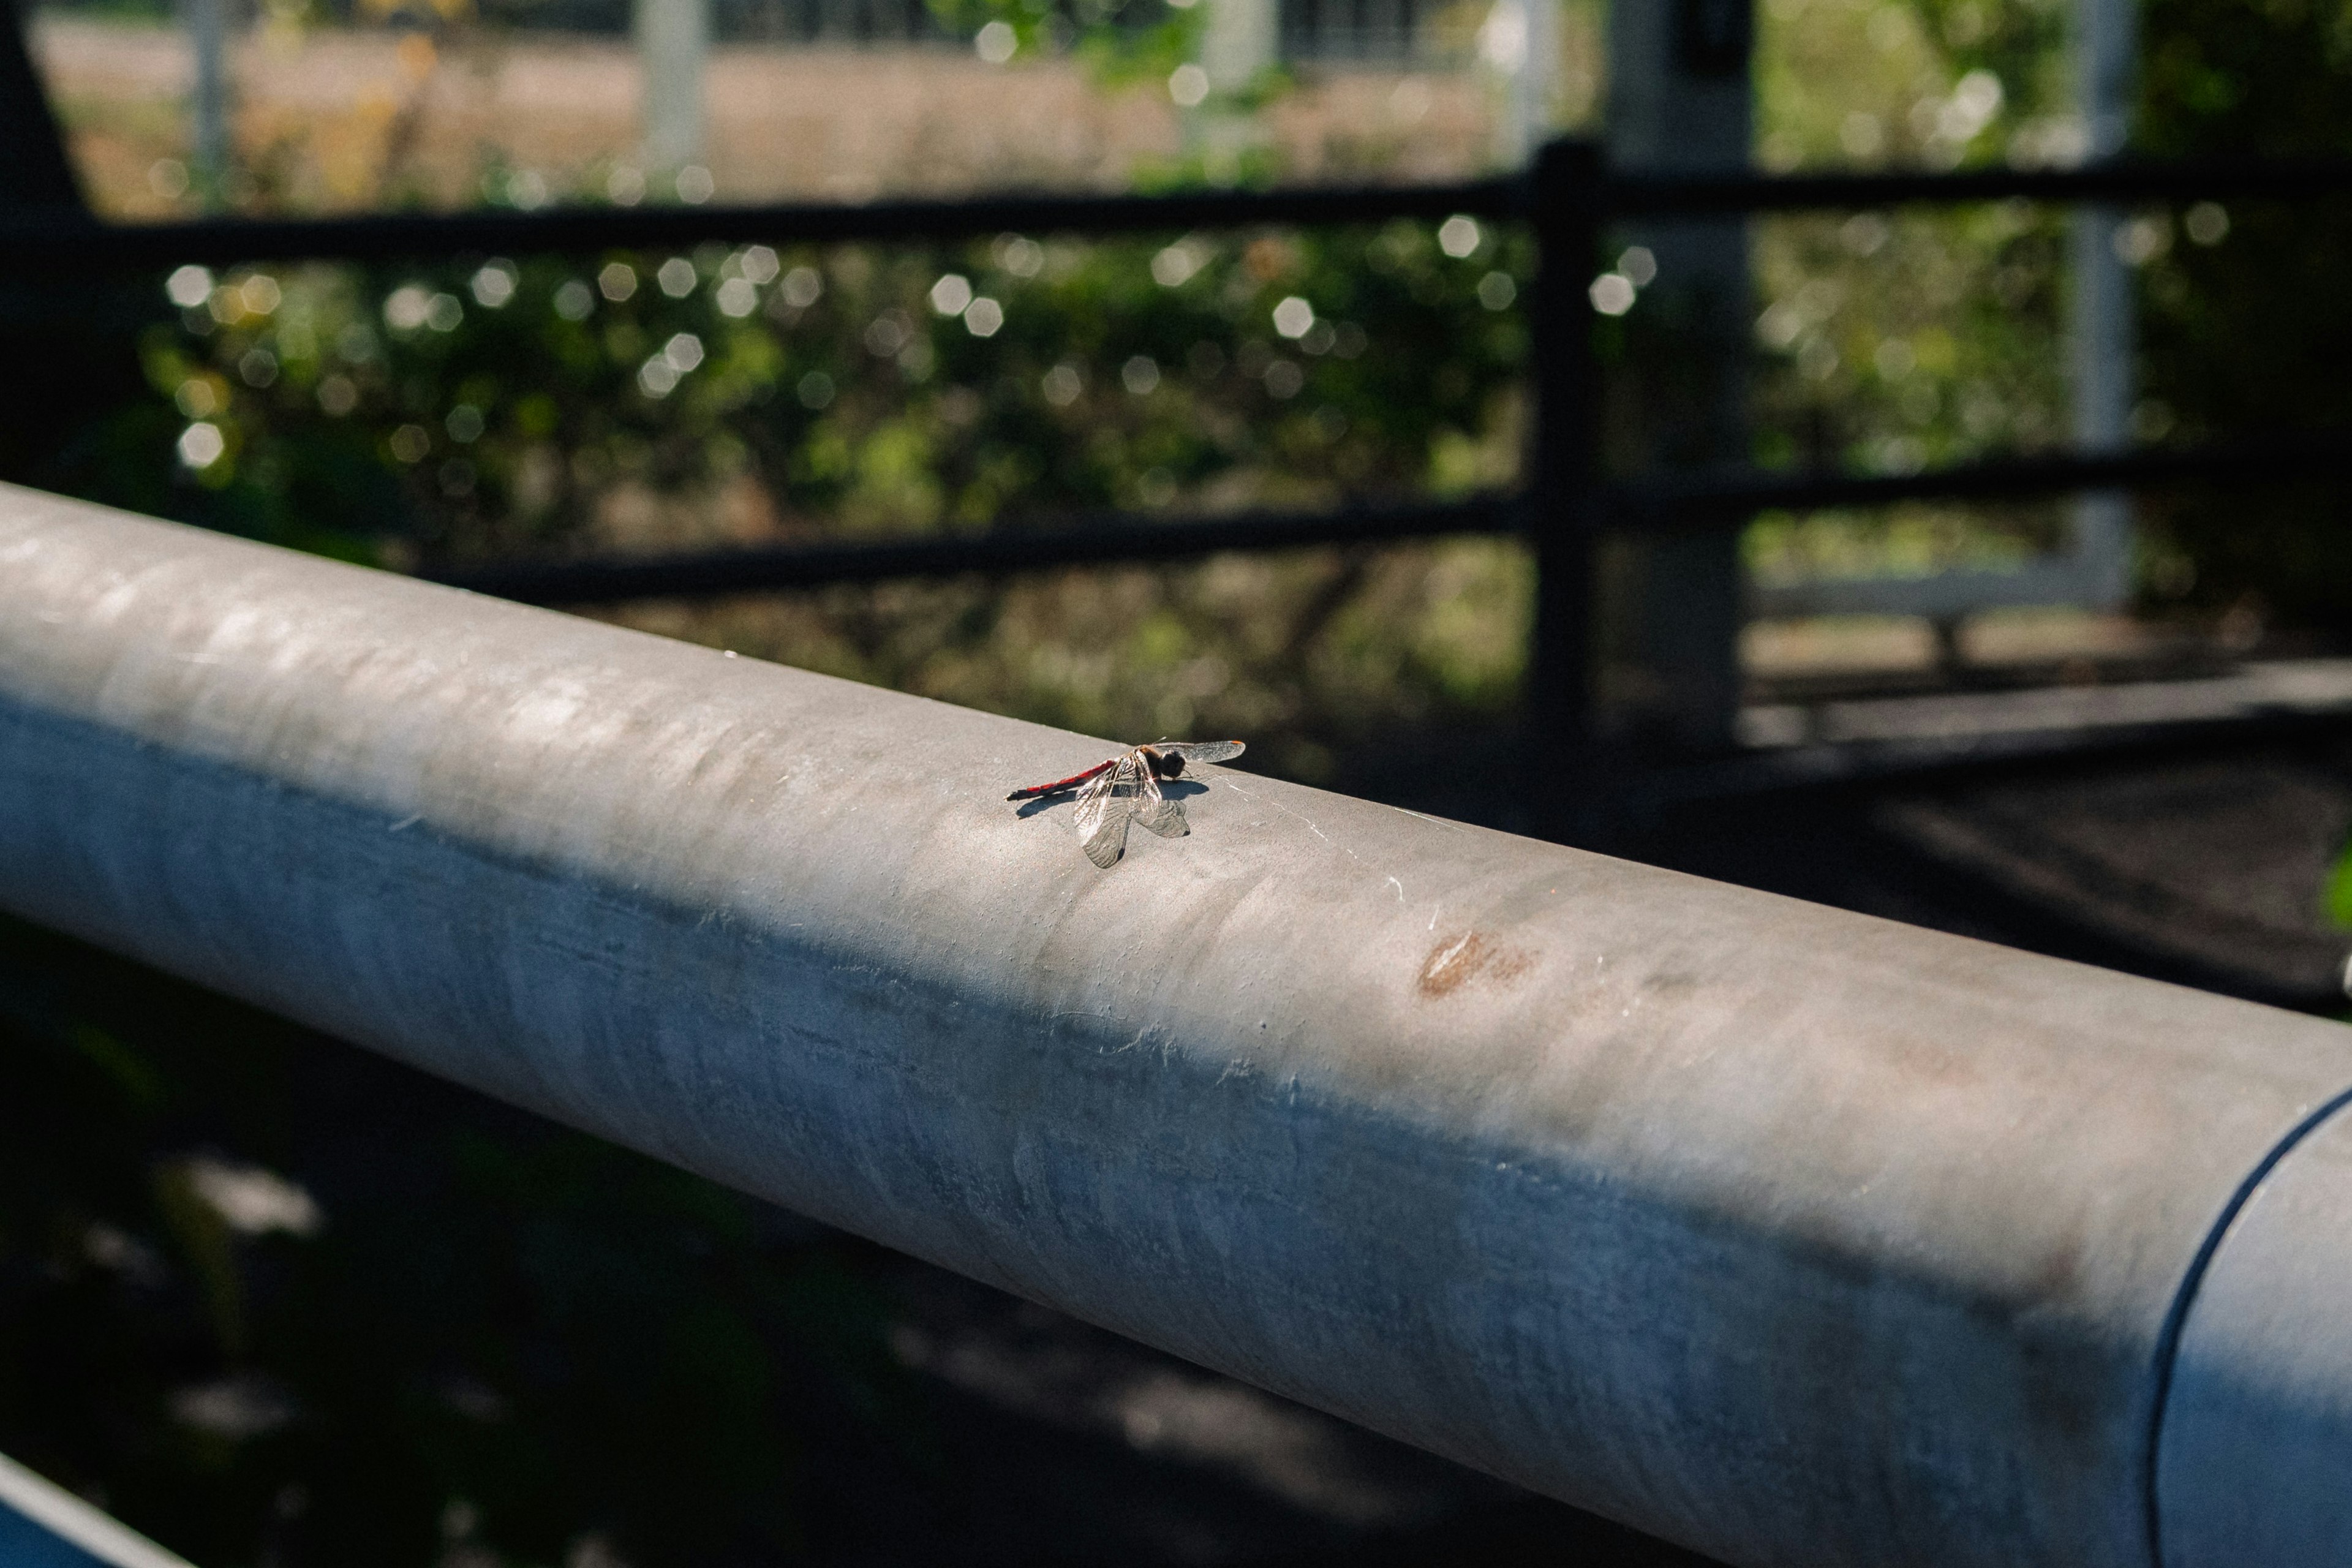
pixel 275 1302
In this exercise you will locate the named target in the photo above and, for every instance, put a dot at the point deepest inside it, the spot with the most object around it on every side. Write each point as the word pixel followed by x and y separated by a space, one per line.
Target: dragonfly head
pixel 1165 765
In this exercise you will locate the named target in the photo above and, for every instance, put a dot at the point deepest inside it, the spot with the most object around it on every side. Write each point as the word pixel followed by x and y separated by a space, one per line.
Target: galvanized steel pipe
pixel 1800 1238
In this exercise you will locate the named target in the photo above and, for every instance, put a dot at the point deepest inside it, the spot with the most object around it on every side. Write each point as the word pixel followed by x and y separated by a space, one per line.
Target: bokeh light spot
pixel 1019 255
pixel 1611 293
pixel 1458 236
pixel 405 307
pixel 201 445
pixel 189 287
pixel 736 297
pixel 803 288
pixel 1173 267
pixel 952 294
pixel 495 283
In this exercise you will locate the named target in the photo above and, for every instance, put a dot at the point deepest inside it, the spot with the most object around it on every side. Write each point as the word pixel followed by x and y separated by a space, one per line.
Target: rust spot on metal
pixel 1457 960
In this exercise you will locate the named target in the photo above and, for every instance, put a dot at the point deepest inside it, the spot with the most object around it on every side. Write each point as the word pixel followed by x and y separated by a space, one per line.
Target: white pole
pixel 2102 326
pixel 1681 101
pixel 672 45
pixel 1519 44
pixel 207 22
pixel 1240 41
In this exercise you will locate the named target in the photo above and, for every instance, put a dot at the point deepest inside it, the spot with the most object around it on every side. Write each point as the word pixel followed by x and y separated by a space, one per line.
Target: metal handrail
pixel 1776 1230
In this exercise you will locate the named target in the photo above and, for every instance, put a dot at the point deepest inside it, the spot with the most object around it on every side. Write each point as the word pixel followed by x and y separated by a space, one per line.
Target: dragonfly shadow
pixel 1174 789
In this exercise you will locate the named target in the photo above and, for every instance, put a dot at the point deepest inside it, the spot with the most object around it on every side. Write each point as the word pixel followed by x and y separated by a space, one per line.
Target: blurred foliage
pixel 496 409
pixel 857 390
pixel 2244 319
pixel 1887 343
pixel 1942 83
pixel 272 1300
pixel 2335 897
pixel 1892 342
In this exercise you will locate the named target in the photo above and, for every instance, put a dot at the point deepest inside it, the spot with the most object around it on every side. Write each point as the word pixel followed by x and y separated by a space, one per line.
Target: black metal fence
pixel 1564 503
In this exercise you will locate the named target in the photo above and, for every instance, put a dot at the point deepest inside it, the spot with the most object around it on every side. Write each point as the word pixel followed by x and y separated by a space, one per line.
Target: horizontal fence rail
pixel 1102 541
pixel 1702 499
pixel 1794 1235
pixel 2119 180
pixel 33 240
pixel 1705 497
pixel 45 242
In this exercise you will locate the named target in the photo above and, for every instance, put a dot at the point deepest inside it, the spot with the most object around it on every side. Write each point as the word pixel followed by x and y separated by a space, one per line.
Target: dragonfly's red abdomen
pixel 1058 785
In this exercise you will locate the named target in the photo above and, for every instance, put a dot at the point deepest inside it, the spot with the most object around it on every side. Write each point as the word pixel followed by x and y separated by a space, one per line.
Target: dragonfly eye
pixel 1167 764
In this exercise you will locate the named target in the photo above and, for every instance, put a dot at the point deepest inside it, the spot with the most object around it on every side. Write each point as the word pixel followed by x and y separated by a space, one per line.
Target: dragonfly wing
pixel 1155 811
pixel 1203 751
pixel 1103 810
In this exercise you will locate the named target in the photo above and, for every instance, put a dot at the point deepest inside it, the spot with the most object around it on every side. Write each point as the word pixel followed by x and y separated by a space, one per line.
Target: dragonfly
pixel 1127 787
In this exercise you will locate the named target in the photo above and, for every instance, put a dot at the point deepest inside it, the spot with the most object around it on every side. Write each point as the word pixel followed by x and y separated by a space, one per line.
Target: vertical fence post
pixel 1564 193
pixel 2101 324
pixel 673 38
pixel 208 29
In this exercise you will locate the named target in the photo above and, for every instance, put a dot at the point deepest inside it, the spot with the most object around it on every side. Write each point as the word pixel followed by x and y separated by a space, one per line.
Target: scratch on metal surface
pixel 1308 821
pixel 1282 808
pixel 406 823
pixel 1399 887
